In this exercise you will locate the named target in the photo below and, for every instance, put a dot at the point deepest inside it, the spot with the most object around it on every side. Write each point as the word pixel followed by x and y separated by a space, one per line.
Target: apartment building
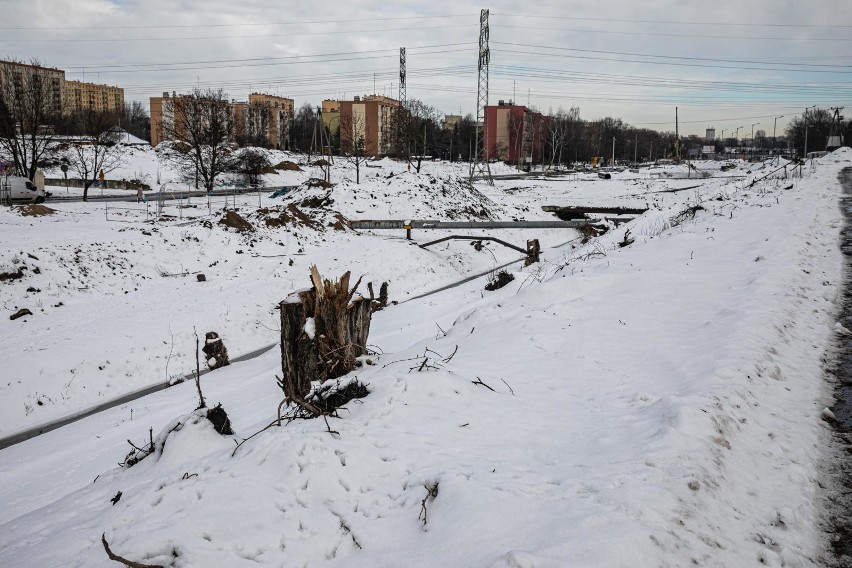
pixel 16 78
pixel 514 133
pixel 330 113
pixel 262 120
pixel 370 117
pixel 276 112
pixel 91 96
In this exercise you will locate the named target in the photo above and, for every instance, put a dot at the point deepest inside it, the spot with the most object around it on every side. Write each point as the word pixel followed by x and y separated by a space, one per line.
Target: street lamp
pixel 774 126
pixel 751 142
pixel 737 135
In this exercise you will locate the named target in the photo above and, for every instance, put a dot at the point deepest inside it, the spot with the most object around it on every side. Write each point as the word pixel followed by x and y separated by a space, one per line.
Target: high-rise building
pixel 369 118
pixel 262 121
pixel 90 96
pixel 18 78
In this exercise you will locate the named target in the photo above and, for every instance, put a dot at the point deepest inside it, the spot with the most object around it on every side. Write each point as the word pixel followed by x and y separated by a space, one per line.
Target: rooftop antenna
pixel 478 164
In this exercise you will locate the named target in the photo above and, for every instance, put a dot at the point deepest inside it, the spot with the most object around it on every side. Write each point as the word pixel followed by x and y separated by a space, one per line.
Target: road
pixel 153 196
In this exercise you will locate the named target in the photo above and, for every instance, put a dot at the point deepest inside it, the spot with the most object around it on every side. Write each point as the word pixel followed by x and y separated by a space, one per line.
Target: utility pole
pixel 480 165
pixel 613 152
pixel 805 115
pixel 835 135
pixel 677 138
pixel 636 149
pixel 774 127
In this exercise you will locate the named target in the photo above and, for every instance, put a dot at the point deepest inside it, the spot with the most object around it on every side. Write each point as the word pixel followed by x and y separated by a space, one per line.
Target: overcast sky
pixel 724 63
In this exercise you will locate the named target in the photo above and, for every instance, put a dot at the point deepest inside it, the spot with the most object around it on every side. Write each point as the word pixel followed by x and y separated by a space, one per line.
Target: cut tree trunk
pixel 323 331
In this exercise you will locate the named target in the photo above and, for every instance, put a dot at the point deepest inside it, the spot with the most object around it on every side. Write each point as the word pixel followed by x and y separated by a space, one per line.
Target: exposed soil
pixel 35 210
pixel 329 397
pixel 499 281
pixel 20 313
pixel 288 166
pixel 220 420
pixel 232 219
pixel 317 201
pixel 17 275
pixel 288 217
pixel 316 182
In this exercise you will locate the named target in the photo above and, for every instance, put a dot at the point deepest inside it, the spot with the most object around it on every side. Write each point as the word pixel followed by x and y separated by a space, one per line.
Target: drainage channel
pixel 839 469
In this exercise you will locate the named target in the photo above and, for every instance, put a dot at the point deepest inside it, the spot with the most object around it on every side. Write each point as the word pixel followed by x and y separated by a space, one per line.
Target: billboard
pixel 708 149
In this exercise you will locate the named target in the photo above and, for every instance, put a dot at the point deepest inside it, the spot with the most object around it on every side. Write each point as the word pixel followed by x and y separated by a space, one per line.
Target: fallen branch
pixel 125 561
pixel 478 381
pixel 431 493
pixel 453 354
pixel 201 402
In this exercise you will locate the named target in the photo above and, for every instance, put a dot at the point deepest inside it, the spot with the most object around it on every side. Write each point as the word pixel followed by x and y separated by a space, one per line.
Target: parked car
pixel 20 189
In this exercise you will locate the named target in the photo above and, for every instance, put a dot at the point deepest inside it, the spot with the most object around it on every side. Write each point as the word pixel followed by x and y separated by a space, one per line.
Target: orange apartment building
pixel 264 119
pixel 514 133
pixel 90 96
pixel 370 117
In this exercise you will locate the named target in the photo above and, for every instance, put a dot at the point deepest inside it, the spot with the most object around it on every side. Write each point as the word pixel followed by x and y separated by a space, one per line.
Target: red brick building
pixel 514 133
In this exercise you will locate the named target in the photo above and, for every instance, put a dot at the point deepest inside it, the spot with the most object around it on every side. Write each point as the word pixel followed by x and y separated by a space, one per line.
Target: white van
pixel 19 189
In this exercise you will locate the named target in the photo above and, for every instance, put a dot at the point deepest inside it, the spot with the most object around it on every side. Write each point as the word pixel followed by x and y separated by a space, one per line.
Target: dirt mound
pixel 320 162
pixel 232 219
pixel 289 216
pixel 317 201
pixel 35 210
pixel 288 166
pixel 316 182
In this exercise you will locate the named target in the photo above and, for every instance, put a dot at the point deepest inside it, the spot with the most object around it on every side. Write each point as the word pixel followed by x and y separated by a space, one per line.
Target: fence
pixel 181 206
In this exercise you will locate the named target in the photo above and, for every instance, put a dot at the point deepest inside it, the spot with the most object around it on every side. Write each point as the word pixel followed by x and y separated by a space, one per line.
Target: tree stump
pixel 533 251
pixel 215 352
pixel 323 331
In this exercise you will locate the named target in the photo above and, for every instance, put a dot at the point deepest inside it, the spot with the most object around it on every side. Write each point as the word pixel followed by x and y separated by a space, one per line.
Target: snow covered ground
pixel 656 404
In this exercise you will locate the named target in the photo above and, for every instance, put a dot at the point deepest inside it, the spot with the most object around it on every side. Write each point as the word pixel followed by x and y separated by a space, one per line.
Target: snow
pixel 658 404
pixel 310 327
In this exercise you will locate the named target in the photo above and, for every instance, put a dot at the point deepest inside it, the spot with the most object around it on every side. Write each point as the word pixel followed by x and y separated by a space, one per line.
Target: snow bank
pixel 656 404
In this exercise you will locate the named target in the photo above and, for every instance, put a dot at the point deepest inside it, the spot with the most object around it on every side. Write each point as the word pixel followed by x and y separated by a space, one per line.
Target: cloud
pixel 591 54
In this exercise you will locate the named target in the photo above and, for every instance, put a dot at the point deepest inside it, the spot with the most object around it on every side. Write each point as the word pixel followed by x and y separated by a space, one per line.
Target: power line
pixel 122 65
pixel 661 34
pixel 759 62
pixel 254 24
pixel 244 36
pixel 675 22
pixel 245 65
pixel 670 63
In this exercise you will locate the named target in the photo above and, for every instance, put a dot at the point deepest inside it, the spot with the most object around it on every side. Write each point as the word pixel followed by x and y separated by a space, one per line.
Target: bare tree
pixel 30 109
pixel 562 128
pixel 135 120
pixel 353 141
pixel 252 163
pixel 201 124
pixel 97 150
